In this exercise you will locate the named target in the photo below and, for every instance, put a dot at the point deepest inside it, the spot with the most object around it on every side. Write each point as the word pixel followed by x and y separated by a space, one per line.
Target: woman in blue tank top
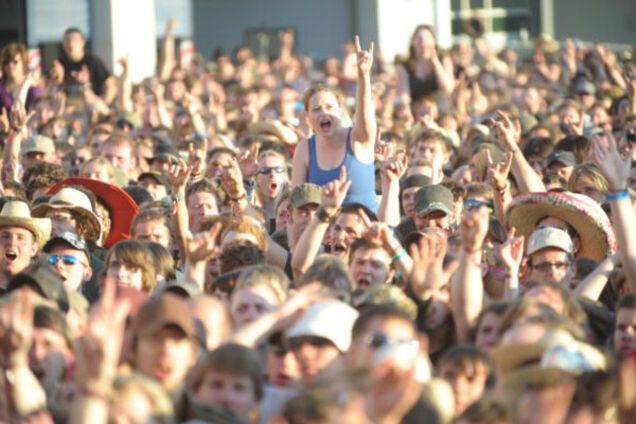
pixel 318 160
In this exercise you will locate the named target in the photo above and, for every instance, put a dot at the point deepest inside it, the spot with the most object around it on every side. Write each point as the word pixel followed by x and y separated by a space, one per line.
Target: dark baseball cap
pixel 305 194
pixel 70 239
pixel 44 279
pixel 433 198
pixel 166 309
pixel 157 176
pixel 563 157
pixel 415 181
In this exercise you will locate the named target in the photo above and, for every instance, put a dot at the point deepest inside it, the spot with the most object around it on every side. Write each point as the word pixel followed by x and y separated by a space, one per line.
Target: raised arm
pixel 508 133
pixel 364 129
pixel 511 252
pixel 604 153
pixel 309 243
pixel 497 178
pixel 124 96
pixel 467 288
pixel 392 170
pixel 168 61
pixel 592 286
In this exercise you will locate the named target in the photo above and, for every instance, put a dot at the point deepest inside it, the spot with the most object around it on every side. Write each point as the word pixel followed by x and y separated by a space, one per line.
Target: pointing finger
pixel 371 47
pixel 356 41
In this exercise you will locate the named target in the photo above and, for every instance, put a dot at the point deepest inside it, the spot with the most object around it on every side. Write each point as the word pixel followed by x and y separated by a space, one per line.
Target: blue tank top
pixel 361 174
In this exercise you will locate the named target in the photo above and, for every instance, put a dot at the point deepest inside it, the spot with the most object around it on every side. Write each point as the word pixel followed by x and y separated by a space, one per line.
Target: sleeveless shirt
pixel 361 174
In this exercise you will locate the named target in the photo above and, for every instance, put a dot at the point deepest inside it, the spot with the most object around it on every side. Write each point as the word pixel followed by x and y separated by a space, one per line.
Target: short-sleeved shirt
pixel 96 68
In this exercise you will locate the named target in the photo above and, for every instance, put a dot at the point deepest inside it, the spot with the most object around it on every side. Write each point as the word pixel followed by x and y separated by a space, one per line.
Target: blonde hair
pixel 264 276
pixel 101 161
pixel 590 171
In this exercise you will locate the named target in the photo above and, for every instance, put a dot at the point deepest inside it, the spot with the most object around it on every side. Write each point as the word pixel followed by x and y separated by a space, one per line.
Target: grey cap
pixel 433 198
pixel 563 157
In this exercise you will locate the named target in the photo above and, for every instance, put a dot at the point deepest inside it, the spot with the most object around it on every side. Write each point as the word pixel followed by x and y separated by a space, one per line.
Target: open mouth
pixel 11 255
pixel 273 186
pixel 363 283
pixel 339 248
pixel 325 124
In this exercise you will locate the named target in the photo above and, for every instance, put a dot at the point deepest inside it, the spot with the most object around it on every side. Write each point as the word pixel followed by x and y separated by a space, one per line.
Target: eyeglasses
pixel 66 259
pixel 266 170
pixel 60 217
pixel 546 266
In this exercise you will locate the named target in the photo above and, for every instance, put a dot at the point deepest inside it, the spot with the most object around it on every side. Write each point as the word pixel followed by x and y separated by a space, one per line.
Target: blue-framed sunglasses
pixel 66 259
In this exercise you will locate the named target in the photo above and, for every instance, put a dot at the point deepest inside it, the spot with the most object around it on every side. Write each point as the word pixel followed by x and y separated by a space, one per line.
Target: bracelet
pixel 178 197
pixel 399 255
pixel 617 196
pixel 327 216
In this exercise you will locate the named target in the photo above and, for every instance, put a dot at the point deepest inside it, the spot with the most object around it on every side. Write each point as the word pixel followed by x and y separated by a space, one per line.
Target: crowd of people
pixel 442 237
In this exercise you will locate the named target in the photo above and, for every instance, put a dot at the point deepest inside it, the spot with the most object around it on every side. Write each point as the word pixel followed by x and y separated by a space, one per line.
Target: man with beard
pixel 20 238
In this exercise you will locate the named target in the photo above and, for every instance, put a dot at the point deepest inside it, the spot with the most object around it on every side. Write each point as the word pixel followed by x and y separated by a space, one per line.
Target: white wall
pixel 124 27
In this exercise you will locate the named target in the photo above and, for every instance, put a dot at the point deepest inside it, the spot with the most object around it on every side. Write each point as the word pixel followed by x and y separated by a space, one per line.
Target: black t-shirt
pixel 97 70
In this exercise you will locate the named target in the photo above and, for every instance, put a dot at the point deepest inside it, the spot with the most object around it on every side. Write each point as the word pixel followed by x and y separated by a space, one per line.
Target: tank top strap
pixel 348 142
pixel 313 160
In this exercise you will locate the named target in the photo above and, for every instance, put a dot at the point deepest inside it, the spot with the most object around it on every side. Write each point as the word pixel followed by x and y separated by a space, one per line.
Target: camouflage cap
pixel 305 194
pixel 433 198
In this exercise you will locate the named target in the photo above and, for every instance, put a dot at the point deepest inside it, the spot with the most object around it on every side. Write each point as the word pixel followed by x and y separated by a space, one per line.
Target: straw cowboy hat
pixel 73 200
pixel 121 207
pixel 16 213
pixel 276 129
pixel 594 228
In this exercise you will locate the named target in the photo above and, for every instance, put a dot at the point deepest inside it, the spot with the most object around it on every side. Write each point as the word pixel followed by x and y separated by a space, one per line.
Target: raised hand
pixel 604 153
pixel 507 131
pixel 511 252
pixel 428 272
pixel 473 229
pixel 98 350
pixel 57 72
pixel 16 330
pixel 82 76
pixel 248 161
pixel 334 192
pixel 232 181
pixel 18 117
pixel 497 173
pixel 365 57
pixel 178 175
pixel 202 246
pixel 395 168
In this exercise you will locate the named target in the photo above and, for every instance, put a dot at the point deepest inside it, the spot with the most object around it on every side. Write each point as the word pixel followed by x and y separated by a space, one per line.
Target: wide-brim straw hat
pixel 275 128
pixel 16 213
pixel 589 220
pixel 121 207
pixel 73 200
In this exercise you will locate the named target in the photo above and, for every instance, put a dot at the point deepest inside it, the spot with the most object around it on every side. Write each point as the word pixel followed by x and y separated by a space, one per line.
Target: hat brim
pixel 40 227
pixel 594 228
pixel 434 207
pixel 510 358
pixel 94 228
pixel 122 208
pixel 277 129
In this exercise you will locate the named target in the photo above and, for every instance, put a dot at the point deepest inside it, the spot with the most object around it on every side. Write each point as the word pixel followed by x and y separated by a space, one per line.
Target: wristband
pixel 617 196
pixel 327 216
pixel 399 255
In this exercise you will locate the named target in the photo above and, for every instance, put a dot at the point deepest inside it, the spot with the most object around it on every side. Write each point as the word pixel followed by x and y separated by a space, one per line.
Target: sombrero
pixel 74 200
pixel 121 207
pixel 594 228
pixel 16 213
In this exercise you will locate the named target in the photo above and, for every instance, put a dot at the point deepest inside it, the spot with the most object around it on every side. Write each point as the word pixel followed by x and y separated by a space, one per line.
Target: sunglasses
pixel 471 203
pixel 266 170
pixel 379 340
pixel 66 259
